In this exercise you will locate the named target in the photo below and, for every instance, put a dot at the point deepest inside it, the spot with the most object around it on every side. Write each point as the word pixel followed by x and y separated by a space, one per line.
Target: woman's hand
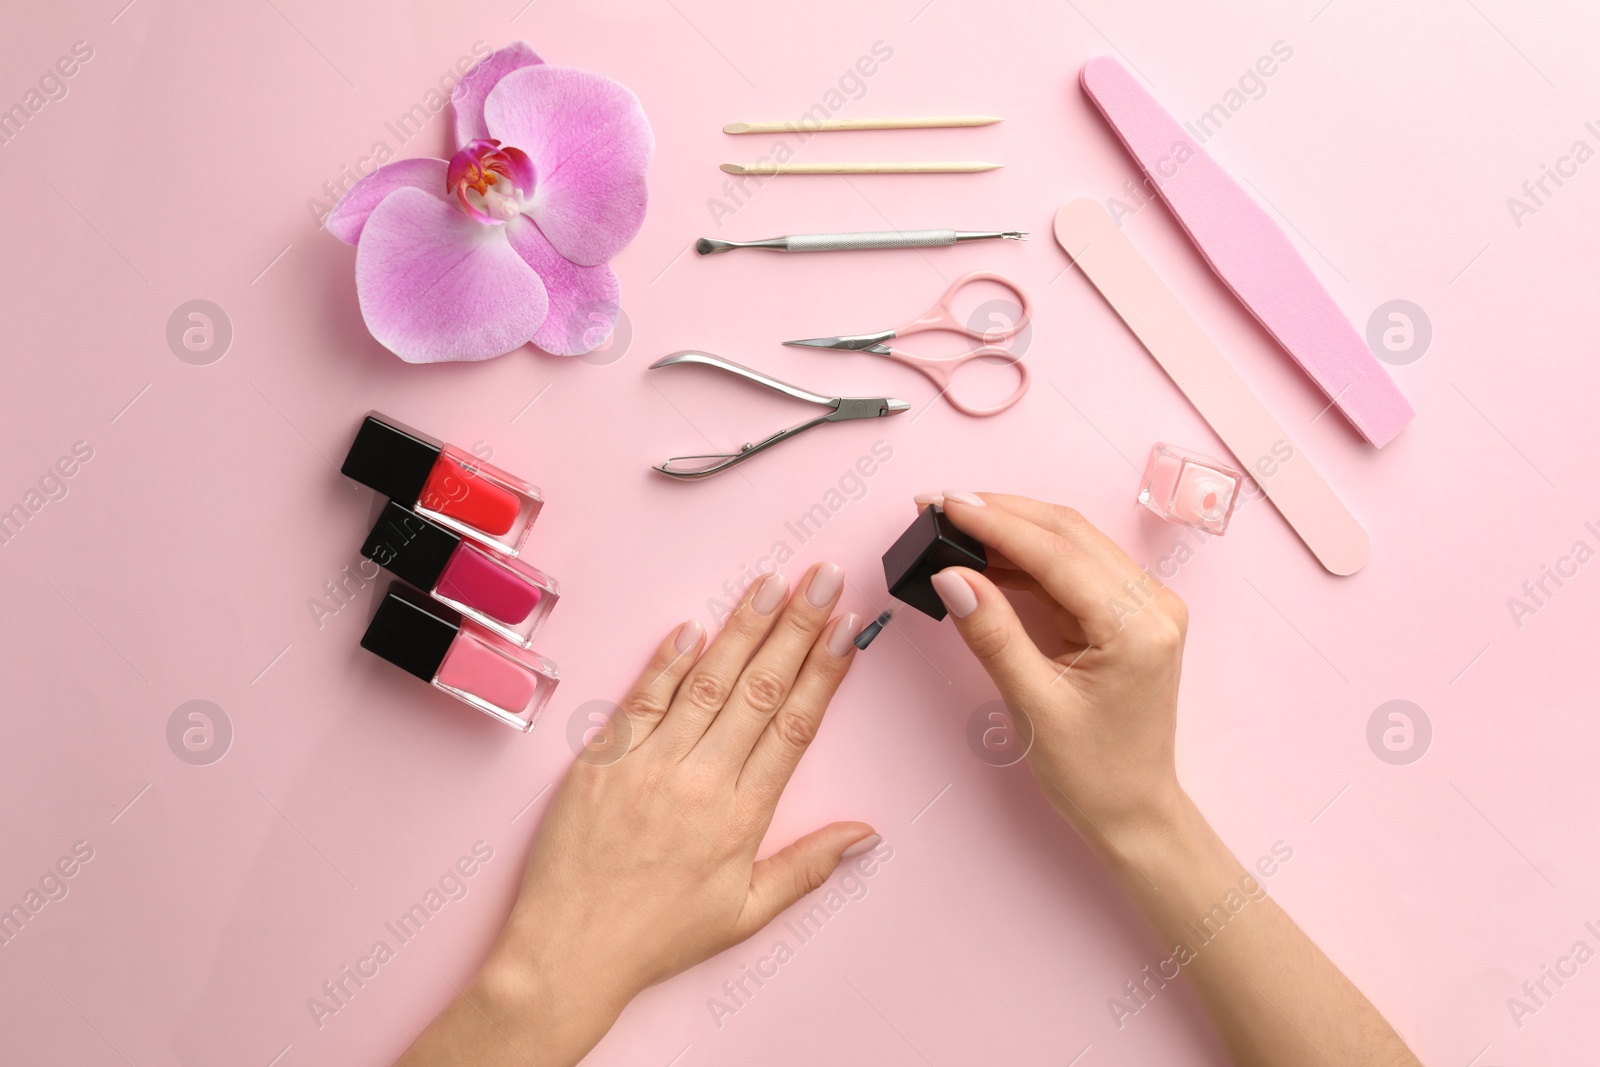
pixel 1104 711
pixel 646 865
pixel 1104 715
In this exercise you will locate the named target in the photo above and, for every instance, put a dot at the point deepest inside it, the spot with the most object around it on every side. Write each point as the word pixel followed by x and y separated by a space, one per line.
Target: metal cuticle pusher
pixel 857 242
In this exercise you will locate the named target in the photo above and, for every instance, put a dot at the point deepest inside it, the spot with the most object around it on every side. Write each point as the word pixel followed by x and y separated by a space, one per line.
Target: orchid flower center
pixel 492 183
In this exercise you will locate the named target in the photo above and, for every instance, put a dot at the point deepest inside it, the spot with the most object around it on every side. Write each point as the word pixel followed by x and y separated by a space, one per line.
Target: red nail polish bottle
pixel 437 645
pixel 503 595
pixel 444 483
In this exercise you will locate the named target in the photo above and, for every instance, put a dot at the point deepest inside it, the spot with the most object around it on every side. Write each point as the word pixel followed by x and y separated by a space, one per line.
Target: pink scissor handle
pixel 942 315
pixel 943 371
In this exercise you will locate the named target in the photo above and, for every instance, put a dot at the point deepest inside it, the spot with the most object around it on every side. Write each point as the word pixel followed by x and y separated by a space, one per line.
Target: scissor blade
pixel 852 343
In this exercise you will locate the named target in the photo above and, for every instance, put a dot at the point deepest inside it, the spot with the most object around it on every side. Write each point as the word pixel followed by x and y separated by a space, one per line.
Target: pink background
pixel 181 563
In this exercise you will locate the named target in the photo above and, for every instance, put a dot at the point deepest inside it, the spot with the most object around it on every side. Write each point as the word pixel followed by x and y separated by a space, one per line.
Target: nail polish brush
pixel 870 632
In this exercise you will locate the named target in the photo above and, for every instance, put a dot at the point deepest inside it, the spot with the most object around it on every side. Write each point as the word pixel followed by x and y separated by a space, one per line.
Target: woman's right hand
pixel 1103 711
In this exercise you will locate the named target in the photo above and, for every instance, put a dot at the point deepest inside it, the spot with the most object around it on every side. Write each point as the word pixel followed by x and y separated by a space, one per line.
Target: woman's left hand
pixel 646 864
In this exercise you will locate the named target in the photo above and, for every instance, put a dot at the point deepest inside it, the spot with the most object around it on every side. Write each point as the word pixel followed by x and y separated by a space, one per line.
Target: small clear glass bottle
pixel 1191 489
pixel 506 596
pixel 450 486
pixel 438 645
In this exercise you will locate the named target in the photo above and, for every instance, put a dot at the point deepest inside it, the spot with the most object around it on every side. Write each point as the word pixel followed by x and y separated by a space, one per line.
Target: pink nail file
pixel 1251 254
pixel 1168 332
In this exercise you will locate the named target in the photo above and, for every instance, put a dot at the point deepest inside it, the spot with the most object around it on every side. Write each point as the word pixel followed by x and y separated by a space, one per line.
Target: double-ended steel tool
pixel 860 242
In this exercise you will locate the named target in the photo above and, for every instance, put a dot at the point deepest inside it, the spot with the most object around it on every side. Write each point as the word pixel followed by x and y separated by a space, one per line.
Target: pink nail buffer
pixel 1251 254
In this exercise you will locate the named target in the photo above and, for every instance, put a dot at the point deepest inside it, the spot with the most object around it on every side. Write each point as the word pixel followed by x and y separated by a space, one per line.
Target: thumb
pixel 790 873
pixel 989 625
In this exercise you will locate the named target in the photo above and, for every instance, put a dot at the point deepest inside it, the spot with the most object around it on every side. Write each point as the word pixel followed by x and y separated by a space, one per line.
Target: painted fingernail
pixel 825 584
pixel 924 499
pixel 844 632
pixel 689 635
pixel 961 496
pixel 956 593
pixel 770 595
pixel 866 844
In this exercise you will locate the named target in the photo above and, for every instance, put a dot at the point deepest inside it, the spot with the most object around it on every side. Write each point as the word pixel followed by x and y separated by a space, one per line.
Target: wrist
pixel 1152 838
pixel 1172 855
pixel 537 1001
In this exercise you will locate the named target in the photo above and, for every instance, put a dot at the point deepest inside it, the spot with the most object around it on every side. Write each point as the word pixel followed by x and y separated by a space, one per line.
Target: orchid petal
pixel 590 144
pixel 584 301
pixel 476 84
pixel 350 214
pixel 435 285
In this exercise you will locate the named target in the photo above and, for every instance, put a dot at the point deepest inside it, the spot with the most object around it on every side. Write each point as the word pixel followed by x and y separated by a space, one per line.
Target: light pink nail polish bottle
pixel 1191 489
pixel 436 644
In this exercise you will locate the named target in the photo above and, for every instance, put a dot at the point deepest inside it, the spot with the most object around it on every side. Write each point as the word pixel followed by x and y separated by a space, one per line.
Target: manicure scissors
pixel 840 409
pixel 942 316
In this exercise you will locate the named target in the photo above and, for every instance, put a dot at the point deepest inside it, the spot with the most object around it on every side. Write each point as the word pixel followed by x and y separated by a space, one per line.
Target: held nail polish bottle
pixel 501 594
pixel 928 546
pixel 434 643
pixel 452 487
pixel 1188 488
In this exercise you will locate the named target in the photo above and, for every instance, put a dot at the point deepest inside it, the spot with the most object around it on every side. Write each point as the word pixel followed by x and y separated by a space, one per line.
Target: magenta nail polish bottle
pixel 503 595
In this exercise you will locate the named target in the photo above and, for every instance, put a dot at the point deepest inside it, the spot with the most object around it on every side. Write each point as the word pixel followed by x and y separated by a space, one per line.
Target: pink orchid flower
pixel 507 242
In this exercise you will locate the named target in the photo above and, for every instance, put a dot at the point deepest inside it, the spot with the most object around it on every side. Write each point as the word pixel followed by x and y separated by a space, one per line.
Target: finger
pixel 1013 578
pixel 764 685
pixel 1007 575
pixel 1066 623
pixel 790 873
pixel 650 696
pixel 989 625
pixel 1069 524
pixel 997 559
pixel 710 681
pixel 1070 566
pixel 787 736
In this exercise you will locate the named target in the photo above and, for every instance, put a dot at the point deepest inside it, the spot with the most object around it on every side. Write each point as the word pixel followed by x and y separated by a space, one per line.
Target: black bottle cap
pixel 391 458
pixel 409 546
pixel 411 631
pixel 928 546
